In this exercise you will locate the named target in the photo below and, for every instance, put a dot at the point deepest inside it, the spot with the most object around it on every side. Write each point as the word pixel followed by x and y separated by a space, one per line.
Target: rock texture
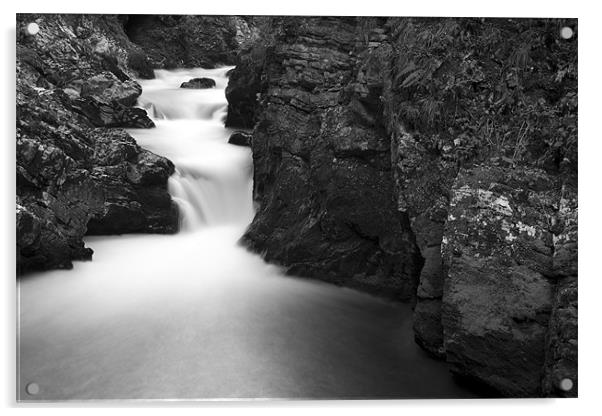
pixel 322 166
pixel 75 176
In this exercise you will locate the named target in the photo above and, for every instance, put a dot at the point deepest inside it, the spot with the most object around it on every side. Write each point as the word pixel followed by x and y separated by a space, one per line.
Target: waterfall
pixel 212 183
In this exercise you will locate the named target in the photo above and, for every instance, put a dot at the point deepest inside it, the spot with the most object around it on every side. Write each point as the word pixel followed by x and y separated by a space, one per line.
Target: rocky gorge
pixel 429 161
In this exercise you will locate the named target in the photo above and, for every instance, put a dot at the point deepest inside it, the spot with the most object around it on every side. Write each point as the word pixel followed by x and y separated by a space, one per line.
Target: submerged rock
pixel 199 83
pixel 240 138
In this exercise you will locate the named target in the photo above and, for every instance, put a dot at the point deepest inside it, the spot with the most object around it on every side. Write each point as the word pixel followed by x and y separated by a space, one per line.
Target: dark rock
pixel 240 138
pixel 174 41
pixel 322 175
pixel 199 83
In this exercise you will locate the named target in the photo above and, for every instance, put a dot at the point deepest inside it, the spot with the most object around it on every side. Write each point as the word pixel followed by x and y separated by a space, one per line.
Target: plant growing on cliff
pixel 500 89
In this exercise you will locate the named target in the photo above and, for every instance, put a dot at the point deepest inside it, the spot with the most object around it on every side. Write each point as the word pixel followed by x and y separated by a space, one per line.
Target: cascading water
pixel 194 315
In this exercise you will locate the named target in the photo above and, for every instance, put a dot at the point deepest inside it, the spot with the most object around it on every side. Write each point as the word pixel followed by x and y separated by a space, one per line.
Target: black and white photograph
pixel 295 207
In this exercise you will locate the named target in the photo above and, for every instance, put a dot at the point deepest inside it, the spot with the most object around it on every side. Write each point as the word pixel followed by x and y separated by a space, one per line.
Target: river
pixel 196 316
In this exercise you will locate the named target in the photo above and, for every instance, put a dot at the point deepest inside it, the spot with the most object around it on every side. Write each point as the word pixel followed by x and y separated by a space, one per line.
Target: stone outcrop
pixel 322 166
pixel 74 175
pixel 199 83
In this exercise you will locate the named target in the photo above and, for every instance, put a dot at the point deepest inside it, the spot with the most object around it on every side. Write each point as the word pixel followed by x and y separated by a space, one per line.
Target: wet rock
pixel 199 83
pixel 240 138
pixel 428 328
pixel 103 114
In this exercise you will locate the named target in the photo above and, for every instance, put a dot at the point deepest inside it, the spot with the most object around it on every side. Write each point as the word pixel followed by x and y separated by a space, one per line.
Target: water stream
pixel 194 315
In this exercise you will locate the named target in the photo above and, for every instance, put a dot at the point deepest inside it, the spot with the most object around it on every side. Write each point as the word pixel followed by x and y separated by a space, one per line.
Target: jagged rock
pixel 199 83
pixel 240 138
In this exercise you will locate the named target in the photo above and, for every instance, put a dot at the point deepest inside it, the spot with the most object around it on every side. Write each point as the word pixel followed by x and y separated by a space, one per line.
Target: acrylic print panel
pixel 242 207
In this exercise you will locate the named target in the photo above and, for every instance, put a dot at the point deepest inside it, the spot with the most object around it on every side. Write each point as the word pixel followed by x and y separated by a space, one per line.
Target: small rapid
pixel 194 315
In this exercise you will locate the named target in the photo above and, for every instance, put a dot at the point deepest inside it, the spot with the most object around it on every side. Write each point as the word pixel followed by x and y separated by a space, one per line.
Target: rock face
pixel 322 166
pixel 75 176
pixel 199 83
pixel 443 171
pixel 246 82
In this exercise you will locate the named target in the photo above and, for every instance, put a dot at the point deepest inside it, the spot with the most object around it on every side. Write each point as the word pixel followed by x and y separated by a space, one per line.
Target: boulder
pixel 497 253
pixel 240 138
pixel 199 83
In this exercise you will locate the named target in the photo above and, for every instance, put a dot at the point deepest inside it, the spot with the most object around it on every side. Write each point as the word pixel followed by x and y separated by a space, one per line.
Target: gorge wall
pixel 432 160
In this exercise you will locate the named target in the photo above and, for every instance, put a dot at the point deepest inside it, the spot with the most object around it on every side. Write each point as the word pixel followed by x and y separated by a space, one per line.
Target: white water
pixel 194 315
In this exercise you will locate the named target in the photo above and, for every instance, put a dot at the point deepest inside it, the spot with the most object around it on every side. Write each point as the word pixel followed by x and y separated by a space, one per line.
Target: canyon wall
pixel 432 160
